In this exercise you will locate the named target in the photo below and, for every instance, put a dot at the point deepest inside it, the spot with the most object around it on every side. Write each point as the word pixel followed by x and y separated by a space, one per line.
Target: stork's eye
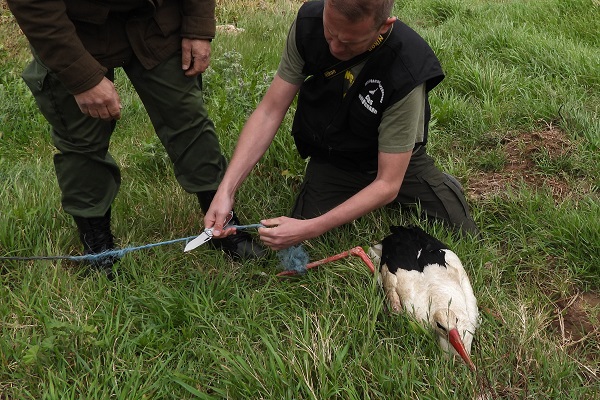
pixel 441 326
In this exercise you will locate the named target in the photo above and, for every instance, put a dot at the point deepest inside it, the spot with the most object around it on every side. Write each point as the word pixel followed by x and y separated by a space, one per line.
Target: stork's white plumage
pixel 421 275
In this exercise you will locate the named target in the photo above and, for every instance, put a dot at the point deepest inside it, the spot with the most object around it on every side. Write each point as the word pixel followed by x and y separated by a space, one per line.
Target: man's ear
pixel 387 25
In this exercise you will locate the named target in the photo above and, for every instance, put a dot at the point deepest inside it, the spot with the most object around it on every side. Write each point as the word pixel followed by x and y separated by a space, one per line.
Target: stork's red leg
pixel 356 251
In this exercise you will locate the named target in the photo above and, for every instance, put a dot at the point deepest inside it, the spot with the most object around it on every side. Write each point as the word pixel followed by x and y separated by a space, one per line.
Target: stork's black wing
pixel 411 248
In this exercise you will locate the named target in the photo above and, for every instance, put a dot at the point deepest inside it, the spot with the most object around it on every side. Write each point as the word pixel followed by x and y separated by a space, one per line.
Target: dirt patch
pixel 520 151
pixel 576 320
pixel 578 316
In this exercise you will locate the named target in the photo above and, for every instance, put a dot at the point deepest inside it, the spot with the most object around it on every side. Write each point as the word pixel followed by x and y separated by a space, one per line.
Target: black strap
pixel 342 66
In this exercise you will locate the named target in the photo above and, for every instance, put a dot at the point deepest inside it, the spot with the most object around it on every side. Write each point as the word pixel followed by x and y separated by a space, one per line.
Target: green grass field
pixel 516 121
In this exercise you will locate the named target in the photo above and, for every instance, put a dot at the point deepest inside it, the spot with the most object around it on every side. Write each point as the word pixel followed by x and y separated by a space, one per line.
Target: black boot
pixel 96 237
pixel 239 246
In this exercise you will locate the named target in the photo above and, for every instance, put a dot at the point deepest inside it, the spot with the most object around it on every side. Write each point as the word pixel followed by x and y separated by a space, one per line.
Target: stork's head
pixel 453 334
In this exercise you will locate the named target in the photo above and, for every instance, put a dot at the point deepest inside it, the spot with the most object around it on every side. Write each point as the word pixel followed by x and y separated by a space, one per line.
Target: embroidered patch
pixel 373 95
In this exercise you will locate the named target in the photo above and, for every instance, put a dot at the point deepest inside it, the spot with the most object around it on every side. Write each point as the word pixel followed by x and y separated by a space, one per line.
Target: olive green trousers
pixel 326 186
pixel 88 176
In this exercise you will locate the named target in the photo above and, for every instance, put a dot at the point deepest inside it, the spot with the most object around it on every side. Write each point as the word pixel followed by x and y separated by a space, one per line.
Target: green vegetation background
pixel 198 325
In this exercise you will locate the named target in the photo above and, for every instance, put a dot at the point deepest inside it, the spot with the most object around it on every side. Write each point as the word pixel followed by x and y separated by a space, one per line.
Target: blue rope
pixel 118 253
pixel 294 258
pixel 242 227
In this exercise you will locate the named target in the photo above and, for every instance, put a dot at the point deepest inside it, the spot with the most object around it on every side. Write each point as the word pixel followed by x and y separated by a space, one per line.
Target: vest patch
pixel 372 95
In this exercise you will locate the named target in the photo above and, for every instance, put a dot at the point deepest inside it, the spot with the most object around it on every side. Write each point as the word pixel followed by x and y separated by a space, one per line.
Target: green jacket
pixel 80 39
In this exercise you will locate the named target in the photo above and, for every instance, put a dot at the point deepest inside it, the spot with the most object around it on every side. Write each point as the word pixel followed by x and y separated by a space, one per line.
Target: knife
pixel 208 233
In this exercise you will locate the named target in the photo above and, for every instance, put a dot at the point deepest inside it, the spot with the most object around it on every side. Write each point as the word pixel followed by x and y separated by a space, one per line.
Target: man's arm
pixel 53 36
pixel 383 190
pixel 198 19
pixel 254 140
pixel 54 39
pixel 197 30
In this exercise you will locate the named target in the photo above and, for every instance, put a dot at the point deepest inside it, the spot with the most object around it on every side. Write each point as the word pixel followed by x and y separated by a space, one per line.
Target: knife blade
pixel 199 240
pixel 204 236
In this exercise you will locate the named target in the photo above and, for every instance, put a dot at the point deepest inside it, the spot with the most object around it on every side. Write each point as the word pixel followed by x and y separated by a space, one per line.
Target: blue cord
pixel 92 257
pixel 119 253
pixel 242 227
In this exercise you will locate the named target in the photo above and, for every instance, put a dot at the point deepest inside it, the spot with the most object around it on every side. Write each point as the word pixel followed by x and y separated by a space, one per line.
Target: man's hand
pixel 216 215
pixel 102 101
pixel 195 56
pixel 283 232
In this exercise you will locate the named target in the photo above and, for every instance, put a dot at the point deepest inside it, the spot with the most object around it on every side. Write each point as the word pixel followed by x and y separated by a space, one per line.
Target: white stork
pixel 420 274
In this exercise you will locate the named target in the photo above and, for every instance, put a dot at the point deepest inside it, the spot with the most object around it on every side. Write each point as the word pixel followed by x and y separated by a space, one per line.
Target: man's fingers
pixel 186 61
pixel 217 229
pixel 114 112
pixel 219 224
pixel 186 54
pixel 101 101
pixel 94 113
pixel 199 65
pixel 271 223
pixel 102 112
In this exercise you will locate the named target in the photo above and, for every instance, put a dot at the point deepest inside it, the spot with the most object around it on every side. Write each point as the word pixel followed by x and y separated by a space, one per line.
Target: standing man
pixel 362 79
pixel 163 46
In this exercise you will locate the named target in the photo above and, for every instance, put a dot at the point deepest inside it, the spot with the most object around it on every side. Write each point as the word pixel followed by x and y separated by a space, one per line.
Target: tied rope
pixel 294 258
pixel 117 253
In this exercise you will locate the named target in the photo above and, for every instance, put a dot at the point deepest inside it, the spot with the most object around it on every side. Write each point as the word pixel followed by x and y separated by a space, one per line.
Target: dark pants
pixel 326 186
pixel 88 176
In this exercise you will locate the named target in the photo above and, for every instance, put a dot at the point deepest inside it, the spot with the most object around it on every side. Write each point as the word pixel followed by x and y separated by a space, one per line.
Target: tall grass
pixel 198 325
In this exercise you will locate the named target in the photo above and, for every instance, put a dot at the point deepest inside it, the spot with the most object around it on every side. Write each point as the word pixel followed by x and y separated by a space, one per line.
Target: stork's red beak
pixel 459 346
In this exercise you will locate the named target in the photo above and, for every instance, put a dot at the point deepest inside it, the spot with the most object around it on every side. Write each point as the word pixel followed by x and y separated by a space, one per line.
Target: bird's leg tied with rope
pixel 356 251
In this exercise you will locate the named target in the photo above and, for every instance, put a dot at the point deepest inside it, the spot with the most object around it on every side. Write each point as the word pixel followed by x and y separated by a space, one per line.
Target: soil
pixel 576 317
pixel 520 150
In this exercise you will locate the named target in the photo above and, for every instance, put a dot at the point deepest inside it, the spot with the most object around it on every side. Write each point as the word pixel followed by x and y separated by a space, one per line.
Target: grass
pixel 183 326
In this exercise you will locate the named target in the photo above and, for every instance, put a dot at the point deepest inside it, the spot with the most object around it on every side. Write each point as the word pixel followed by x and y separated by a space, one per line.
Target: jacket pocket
pixel 47 92
pixel 35 75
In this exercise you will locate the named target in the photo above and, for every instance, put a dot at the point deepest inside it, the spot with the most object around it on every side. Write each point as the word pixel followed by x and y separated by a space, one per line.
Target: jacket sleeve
pixel 198 19
pixel 54 39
